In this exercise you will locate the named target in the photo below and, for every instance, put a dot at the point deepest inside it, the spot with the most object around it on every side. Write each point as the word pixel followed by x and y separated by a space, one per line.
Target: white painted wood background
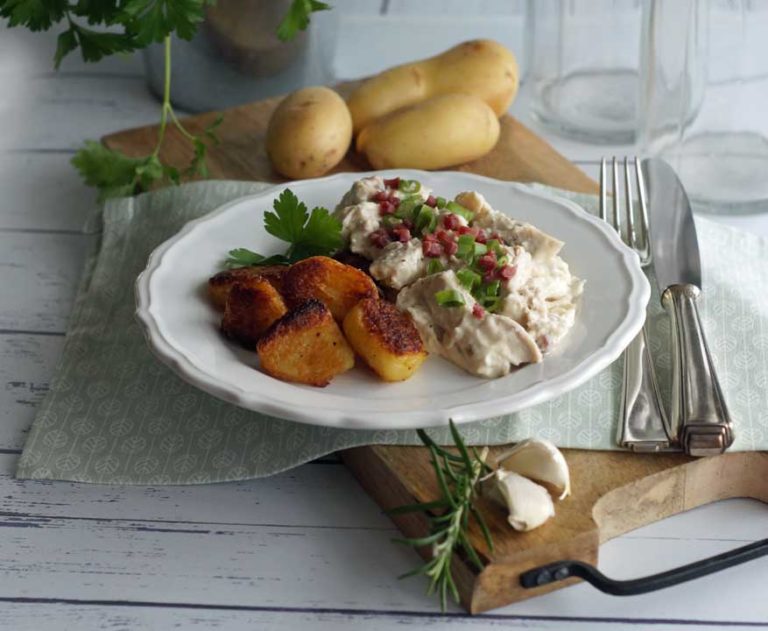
pixel 303 550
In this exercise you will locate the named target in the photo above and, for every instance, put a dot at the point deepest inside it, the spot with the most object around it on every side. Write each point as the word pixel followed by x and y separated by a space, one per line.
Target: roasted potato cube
pixel 385 338
pixel 250 310
pixel 336 285
pixel 305 346
pixel 220 284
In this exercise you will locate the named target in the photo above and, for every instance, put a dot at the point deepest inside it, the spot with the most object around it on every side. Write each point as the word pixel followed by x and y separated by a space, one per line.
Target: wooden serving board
pixel 613 492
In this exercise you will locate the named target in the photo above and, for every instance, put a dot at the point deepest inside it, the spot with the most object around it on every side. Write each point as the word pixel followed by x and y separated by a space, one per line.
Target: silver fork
pixel 643 424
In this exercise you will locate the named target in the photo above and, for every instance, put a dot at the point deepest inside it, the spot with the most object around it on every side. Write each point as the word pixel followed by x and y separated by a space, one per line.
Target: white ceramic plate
pixel 182 327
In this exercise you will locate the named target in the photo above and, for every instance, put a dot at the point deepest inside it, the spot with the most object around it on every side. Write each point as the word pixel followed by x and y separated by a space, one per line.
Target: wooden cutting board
pixel 613 492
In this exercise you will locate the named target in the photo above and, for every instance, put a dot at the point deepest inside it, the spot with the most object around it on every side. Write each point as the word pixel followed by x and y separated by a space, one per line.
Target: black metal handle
pixel 565 569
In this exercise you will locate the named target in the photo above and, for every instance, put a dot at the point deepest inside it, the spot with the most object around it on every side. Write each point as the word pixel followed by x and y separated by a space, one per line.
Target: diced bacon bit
pixel 451 222
pixel 498 237
pixel 542 342
pixel 387 208
pixel 401 233
pixel 408 224
pixel 431 201
pixel 478 311
pixel 481 237
pixel 508 271
pixel 392 183
pixel 468 230
pixel 379 237
pixel 431 248
pixel 393 199
pixel 380 196
pixel 443 236
pixel 487 262
pixel 489 277
pixel 451 247
pixel 430 236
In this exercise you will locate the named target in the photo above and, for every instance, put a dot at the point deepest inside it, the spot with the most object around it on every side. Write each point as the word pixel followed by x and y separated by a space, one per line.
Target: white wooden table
pixel 303 550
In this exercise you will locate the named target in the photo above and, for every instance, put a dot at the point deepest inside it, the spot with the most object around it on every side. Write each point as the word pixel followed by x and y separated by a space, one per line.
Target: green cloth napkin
pixel 117 415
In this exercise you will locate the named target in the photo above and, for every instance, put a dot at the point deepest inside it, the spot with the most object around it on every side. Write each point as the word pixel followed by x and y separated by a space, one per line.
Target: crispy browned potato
pixel 385 338
pixel 250 310
pixel 220 284
pixel 305 346
pixel 336 285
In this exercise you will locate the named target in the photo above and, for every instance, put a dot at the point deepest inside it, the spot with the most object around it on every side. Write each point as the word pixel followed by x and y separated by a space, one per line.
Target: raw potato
pixel 385 338
pixel 336 285
pixel 482 67
pixel 309 133
pixel 305 346
pixel 438 133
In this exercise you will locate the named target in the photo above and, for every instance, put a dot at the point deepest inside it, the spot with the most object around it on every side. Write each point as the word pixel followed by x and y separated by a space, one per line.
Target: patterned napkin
pixel 117 415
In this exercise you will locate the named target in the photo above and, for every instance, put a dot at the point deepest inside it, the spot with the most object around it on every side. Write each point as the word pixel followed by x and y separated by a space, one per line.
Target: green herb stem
pixel 179 125
pixel 166 107
pixel 458 477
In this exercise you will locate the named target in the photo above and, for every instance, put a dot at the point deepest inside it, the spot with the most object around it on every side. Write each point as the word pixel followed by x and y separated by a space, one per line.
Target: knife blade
pixel 698 413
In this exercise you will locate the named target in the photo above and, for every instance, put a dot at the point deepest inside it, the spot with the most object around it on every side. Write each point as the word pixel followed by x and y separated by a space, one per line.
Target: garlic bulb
pixel 529 504
pixel 538 460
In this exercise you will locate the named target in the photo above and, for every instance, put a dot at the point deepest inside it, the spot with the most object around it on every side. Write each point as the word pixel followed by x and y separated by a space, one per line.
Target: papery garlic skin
pixel 529 504
pixel 539 460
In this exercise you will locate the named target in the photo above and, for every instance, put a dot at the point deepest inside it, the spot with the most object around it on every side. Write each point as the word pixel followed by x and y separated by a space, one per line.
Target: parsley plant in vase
pixel 99 28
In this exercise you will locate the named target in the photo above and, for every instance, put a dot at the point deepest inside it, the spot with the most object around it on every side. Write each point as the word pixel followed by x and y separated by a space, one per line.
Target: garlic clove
pixel 539 460
pixel 529 504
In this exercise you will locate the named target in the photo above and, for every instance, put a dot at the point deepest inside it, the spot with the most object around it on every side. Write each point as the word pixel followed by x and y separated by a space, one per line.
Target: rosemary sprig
pixel 458 476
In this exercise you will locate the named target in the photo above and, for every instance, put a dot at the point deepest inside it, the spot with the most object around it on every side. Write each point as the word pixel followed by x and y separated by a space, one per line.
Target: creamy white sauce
pixel 537 305
pixel 399 264
pixel 488 346
pixel 538 243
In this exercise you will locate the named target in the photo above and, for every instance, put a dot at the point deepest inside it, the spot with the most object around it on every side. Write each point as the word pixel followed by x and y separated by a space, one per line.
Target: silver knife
pixel 698 413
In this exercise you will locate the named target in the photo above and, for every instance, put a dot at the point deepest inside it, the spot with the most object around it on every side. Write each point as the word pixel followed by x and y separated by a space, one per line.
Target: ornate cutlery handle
pixel 698 412
pixel 642 421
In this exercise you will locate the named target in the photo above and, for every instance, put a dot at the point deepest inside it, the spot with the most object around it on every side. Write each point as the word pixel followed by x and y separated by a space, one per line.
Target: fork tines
pixel 636 232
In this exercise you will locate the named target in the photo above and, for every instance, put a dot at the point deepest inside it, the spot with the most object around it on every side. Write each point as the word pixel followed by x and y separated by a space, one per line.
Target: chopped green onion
pixel 480 249
pixel 490 303
pixel 495 245
pixel 468 278
pixel 409 186
pixel 466 243
pixel 458 209
pixel 441 202
pixel 407 206
pixel 390 221
pixel 493 288
pixel 504 260
pixel 426 220
pixel 449 298
pixel 434 266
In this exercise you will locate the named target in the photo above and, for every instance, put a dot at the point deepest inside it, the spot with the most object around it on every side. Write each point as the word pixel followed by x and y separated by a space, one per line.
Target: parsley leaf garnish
pixel 99 28
pixel 310 234
pixel 297 18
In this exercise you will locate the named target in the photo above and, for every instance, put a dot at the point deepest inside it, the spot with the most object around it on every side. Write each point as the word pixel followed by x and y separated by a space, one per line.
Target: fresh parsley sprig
pixel 99 28
pixel 458 476
pixel 309 234
pixel 297 18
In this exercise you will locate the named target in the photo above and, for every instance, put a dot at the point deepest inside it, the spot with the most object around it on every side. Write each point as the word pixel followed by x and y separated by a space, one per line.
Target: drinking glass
pixel 702 103
pixel 583 58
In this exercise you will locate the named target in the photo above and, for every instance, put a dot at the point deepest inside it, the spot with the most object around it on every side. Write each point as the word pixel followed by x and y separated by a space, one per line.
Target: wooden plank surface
pixel 519 155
